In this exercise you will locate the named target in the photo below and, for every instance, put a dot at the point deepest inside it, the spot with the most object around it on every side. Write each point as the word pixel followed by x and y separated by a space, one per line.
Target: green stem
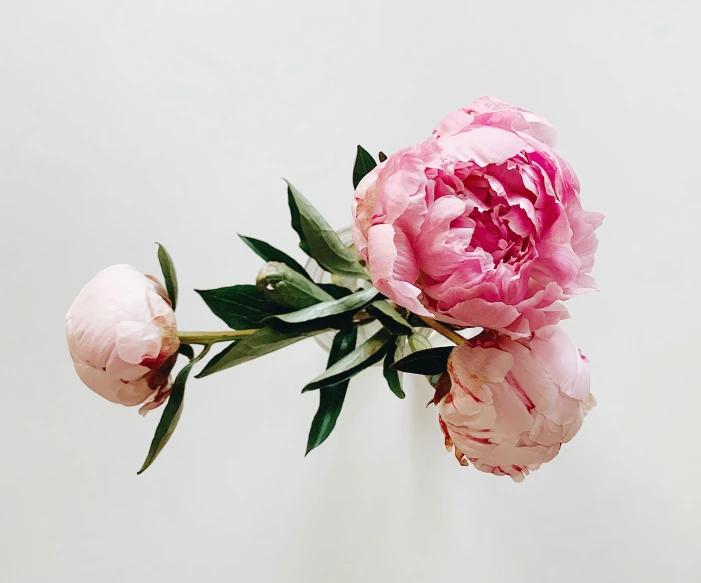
pixel 202 354
pixel 212 337
pixel 228 335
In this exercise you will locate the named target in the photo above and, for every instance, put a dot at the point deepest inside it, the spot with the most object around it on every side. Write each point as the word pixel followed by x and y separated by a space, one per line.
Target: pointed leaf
pixel 288 288
pixel 331 398
pixel 389 318
pixel 364 162
pixel 269 253
pixel 319 240
pixel 391 375
pixel 187 351
pixel 169 275
pixel 170 417
pixel 425 362
pixel 367 354
pixel 296 218
pixel 240 306
pixel 322 315
pixel 259 343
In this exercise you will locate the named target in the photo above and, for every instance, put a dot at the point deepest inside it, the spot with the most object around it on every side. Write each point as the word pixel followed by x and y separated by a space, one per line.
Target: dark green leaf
pixel 319 240
pixel 269 253
pixel 259 343
pixel 169 275
pixel 337 291
pixel 367 354
pixel 288 288
pixel 391 375
pixel 331 398
pixel 240 306
pixel 389 318
pixel 323 314
pixel 364 162
pixel 213 365
pixel 416 322
pixel 382 156
pixel 425 362
pixel 187 351
pixel 170 417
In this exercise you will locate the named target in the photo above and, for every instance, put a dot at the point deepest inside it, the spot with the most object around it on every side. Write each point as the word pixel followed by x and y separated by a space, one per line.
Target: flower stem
pixel 451 335
pixel 208 338
pixel 212 337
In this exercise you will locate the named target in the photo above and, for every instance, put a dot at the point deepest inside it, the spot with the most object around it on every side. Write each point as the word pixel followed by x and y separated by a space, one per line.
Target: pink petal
pixel 382 259
pixel 484 145
pixel 112 388
pixel 478 312
pixel 438 256
pixel 137 341
pixel 562 361
pixel 488 365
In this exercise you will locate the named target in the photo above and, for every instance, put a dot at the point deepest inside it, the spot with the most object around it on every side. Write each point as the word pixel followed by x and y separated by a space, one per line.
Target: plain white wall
pixel 123 123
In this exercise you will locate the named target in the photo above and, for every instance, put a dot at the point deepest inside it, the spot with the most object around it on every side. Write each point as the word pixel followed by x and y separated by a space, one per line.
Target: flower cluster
pixel 481 225
pixel 478 226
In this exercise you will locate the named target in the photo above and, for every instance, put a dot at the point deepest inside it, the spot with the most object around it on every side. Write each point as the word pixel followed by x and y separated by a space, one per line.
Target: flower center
pixel 502 229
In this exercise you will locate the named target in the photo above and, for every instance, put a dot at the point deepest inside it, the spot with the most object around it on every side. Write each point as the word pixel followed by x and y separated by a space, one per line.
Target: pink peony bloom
pixel 479 225
pixel 122 337
pixel 512 403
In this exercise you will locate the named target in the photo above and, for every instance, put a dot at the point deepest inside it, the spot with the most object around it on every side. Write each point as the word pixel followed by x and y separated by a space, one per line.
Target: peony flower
pixel 122 337
pixel 480 224
pixel 513 403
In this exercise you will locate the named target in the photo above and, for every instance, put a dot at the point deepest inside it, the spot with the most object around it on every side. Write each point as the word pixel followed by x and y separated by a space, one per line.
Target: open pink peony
pixel 480 224
pixel 512 403
pixel 122 335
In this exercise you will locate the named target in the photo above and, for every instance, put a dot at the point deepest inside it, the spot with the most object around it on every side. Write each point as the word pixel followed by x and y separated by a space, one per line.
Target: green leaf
pixel 187 351
pixel 269 253
pixel 324 314
pixel 337 291
pixel 391 375
pixel 389 318
pixel 331 398
pixel 319 240
pixel 171 413
pixel 425 362
pixel 418 342
pixel 367 354
pixel 364 162
pixel 288 288
pixel 382 156
pixel 240 306
pixel 169 275
pixel 296 218
pixel 264 341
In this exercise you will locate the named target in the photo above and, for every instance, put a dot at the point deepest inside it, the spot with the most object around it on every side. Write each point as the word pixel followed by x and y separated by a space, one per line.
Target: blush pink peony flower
pixel 122 336
pixel 479 225
pixel 513 403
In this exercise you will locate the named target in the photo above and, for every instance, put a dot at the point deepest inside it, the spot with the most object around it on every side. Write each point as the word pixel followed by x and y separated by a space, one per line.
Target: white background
pixel 123 123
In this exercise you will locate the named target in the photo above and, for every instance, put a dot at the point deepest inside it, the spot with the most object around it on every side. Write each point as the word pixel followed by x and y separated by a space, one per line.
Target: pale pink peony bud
pixel 122 336
pixel 513 403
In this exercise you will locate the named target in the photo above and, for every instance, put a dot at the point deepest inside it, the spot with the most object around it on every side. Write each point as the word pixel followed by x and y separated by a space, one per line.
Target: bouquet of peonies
pixel 478 227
